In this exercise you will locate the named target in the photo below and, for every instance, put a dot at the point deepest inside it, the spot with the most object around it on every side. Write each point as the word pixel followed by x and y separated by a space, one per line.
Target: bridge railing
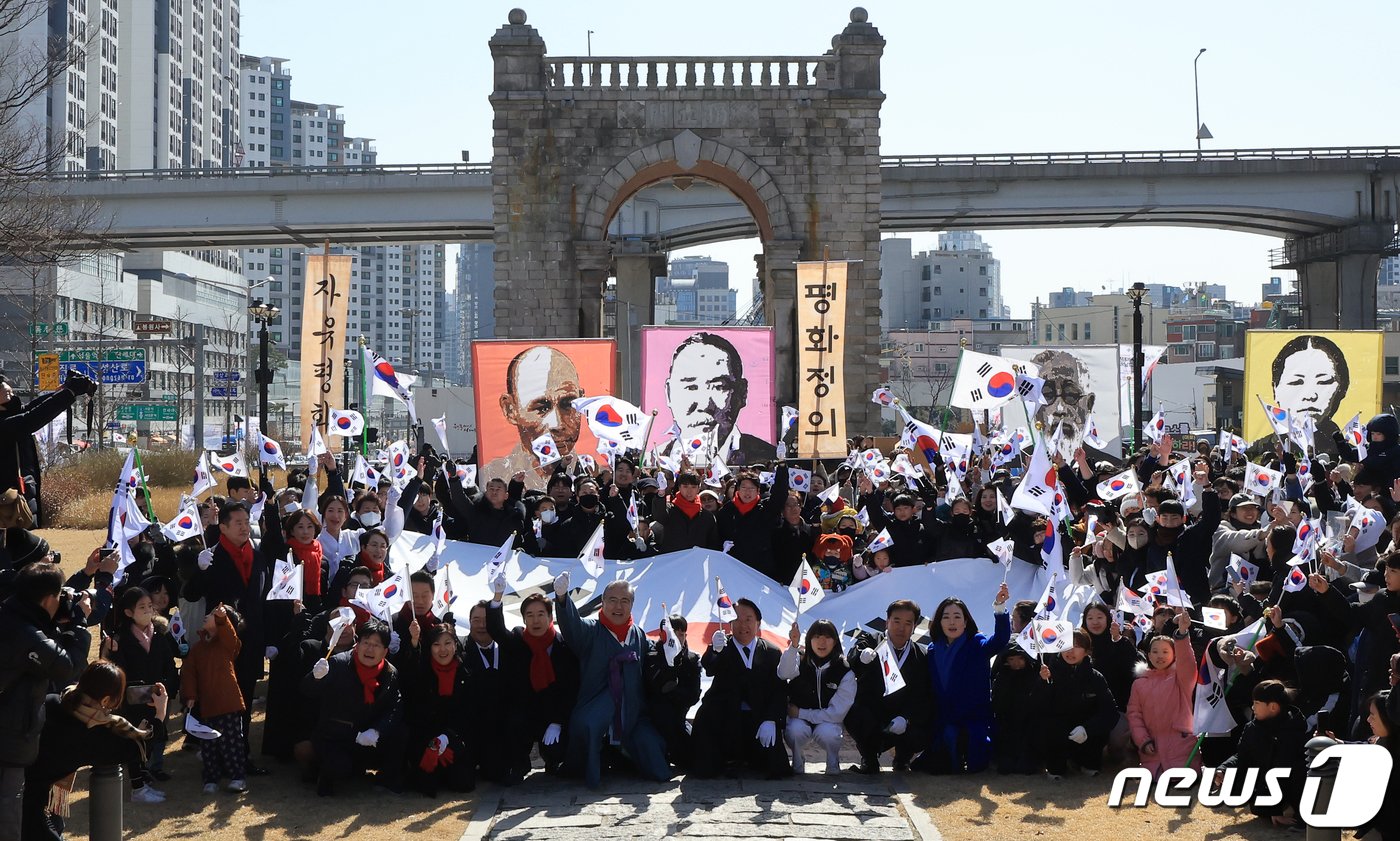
pixel 1031 158
pixel 273 172
pixel 656 72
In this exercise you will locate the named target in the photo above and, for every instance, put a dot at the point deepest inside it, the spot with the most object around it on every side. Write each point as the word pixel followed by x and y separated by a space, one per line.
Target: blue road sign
pixel 226 376
pixel 224 391
pixel 108 372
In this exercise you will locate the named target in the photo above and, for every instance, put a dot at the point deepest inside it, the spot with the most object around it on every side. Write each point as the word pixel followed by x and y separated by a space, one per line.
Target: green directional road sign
pixel 148 412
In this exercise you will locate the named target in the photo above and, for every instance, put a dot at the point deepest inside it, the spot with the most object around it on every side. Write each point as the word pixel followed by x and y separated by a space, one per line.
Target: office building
pixel 696 291
pixel 960 279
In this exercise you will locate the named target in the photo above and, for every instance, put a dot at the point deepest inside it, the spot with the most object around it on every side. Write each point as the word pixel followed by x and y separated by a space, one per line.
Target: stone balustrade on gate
pixel 690 72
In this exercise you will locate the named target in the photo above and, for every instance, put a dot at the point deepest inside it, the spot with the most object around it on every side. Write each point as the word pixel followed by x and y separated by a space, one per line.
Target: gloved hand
pixel 321 669
pixel 270 652
pixel 898 725
pixel 767 734
pixel 394 642
pixel 561 583
pixel 206 557
pixel 1078 735
pixel 867 656
pixel 718 641
pixel 368 738
pixel 498 583
pixel 79 384
pixel 551 734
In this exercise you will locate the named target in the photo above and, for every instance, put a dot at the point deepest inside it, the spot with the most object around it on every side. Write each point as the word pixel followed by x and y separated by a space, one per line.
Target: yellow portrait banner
pixel 1328 376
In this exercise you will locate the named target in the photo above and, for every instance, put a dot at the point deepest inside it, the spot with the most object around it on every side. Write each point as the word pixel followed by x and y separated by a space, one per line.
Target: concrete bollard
pixel 1326 777
pixel 105 803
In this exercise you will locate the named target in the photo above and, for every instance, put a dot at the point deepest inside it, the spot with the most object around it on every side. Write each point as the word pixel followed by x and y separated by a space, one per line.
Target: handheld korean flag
pixel 1156 428
pixel 724 606
pixel 670 640
pixel 286 582
pixel 1092 436
pixel 1002 549
pixel 1175 595
pixel 1004 510
pixel 904 467
pixel 889 668
pixel 203 478
pixel 1119 485
pixel 340 619
pixel 317 445
pixel 799 480
pixel 1038 486
pixel 985 382
pixel 1049 604
pixel 177 625
pixel 498 560
pixel 881 541
pixel 387 382
pixel 1355 435
pixel 1230 444
pixel 400 471
pixel 1279 418
pixel 545 449
pixel 592 554
pixel 1308 533
pixel 789 421
pixel 1053 635
pixel 1296 580
pixel 1261 481
pixel 805 589
pixel 1369 528
pixel 613 419
pixel 634 519
pixel 1131 602
pixel 466 475
pixel 347 423
pixel 882 396
pixel 831 494
pixel 270 452
pixel 199 730
pixel 1210 714
pixel 1213 617
pixel 954 491
pixel 447 589
pixel 1305 474
pixel 439 539
pixel 863 517
pixel 1180 474
pixel 360 475
pixel 385 600
pixel 1243 571
pixel 1302 431
pixel 1029 390
pixel 185 525
pixel 440 427
pixel 230 465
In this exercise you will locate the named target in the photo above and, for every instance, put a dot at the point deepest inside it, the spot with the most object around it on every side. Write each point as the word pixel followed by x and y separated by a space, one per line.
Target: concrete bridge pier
pixel 777 270
pixel 636 267
pixel 1339 294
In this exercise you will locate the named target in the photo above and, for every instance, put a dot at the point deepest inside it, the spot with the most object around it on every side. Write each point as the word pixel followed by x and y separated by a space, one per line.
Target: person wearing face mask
pixel 1131 561
pixel 570 532
pixel 545 515
pixel 748 519
pixel 958 536
pixel 900 720
pixel 959 663
pixel 792 537
pixel 1238 534
pixel 1190 546
pixel 833 567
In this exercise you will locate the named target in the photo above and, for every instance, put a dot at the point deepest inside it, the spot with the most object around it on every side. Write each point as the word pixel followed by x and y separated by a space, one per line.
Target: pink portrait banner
pixel 717 385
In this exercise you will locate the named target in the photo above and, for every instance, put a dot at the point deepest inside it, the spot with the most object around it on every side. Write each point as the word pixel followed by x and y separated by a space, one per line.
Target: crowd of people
pixel 189 626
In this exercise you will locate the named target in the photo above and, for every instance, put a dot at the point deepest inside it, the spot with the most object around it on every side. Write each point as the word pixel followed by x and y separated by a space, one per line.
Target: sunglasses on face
pixel 1068 392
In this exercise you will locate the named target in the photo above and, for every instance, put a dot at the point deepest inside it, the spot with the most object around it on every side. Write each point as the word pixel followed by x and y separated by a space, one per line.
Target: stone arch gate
pixel 795 138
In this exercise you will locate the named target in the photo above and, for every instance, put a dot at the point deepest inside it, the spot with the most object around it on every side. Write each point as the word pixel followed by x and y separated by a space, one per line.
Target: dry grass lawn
pixel 280 806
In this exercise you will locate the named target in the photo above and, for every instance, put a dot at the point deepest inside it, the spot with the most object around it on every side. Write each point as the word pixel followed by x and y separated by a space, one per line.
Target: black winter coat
pixel 554 703
pixel 35 658
pixel 343 712
pixel 1077 696
pixel 682 532
pixel 733 684
pixel 19 456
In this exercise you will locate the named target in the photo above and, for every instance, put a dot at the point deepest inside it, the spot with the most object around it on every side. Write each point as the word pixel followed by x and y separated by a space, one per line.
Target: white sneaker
pixel 211 788
pixel 146 794
pixel 237 785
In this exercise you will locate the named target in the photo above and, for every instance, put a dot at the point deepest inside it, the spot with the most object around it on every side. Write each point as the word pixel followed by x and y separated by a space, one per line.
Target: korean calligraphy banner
pixel 323 313
pixel 821 348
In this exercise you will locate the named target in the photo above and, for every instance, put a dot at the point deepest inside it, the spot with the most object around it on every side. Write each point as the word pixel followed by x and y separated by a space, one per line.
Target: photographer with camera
pixel 19 456
pixel 45 648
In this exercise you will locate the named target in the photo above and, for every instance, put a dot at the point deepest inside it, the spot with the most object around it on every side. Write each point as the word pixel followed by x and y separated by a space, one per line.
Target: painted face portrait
pixel 706 390
pixel 1068 400
pixel 1310 378
pixel 541 386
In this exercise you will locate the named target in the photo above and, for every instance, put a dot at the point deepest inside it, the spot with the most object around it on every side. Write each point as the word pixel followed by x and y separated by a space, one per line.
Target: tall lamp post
pixel 1136 293
pixel 1202 133
pixel 263 313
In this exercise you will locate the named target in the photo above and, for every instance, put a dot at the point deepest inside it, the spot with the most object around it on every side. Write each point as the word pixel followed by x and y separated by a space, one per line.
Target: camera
pixel 57 557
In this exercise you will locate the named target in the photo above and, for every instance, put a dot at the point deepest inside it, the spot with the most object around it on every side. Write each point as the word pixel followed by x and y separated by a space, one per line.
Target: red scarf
pixel 744 507
pixel 688 507
pixel 376 569
pixel 446 675
pixel 242 557
pixel 309 555
pixel 541 667
pixel 618 631
pixel 368 675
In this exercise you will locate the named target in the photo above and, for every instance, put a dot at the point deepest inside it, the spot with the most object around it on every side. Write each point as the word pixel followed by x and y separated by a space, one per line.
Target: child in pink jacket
pixel 1162 701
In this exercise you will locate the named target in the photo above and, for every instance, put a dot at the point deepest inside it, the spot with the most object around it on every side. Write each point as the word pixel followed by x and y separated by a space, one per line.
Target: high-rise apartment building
pixel 696 291
pixel 961 279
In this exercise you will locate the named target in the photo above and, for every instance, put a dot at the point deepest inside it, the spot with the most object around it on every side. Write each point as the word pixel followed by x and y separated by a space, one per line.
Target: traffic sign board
pixel 113 425
pixel 44 328
pixel 47 376
pixel 226 375
pixel 224 391
pixel 155 325
pixel 108 372
pixel 148 412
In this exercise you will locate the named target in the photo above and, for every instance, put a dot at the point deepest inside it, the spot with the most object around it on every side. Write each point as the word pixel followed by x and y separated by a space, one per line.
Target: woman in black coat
pixel 1078 710
pixel 19 456
pixel 438 689
pixel 1113 653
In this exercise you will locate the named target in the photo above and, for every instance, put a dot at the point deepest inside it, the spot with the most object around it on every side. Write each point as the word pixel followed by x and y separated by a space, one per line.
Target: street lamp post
pixel 263 313
pixel 1202 133
pixel 1136 294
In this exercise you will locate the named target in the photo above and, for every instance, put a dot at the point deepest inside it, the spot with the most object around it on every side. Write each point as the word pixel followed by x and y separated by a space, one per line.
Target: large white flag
pixel 387 382
pixel 270 452
pixel 1039 485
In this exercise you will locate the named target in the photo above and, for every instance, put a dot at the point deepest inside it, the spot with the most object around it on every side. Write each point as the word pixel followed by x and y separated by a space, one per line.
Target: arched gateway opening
pixel 789 145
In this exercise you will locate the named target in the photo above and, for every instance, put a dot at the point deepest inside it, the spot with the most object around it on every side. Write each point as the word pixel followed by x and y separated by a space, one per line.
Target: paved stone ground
pixel 844 807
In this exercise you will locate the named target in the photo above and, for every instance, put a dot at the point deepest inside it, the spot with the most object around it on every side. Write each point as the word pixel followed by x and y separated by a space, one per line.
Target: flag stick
pixel 1228 686
pixel 141 472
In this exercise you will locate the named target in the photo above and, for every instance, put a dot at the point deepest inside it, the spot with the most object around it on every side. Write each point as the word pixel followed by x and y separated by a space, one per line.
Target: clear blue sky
pixel 1009 76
